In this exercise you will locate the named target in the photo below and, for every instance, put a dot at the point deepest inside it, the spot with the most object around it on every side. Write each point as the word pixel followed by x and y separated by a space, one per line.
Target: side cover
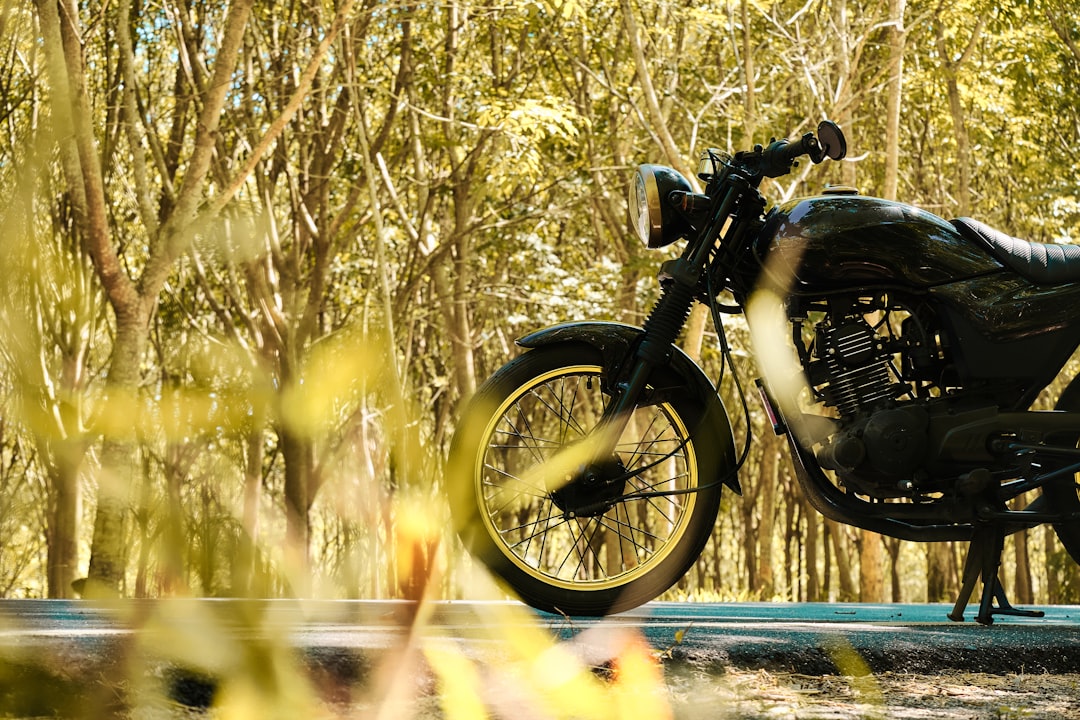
pixel 615 342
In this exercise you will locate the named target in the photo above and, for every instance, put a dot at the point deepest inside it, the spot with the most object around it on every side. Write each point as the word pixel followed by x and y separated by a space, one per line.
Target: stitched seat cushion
pixel 1041 263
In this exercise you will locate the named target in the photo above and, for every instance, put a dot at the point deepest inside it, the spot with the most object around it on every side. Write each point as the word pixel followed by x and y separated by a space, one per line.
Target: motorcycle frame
pixel 719 256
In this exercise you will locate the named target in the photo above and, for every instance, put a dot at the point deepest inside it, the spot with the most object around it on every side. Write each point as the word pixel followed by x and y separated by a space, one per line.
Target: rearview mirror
pixel 831 140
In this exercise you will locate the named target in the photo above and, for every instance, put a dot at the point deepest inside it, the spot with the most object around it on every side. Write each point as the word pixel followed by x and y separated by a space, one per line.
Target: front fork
pixel 661 330
pixel 679 284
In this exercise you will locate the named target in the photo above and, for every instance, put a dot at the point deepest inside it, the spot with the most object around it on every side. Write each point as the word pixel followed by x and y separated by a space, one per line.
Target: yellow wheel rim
pixel 517 506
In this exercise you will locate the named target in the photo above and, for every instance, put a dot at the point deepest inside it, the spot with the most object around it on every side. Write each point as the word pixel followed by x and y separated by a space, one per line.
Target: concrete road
pixel 798 637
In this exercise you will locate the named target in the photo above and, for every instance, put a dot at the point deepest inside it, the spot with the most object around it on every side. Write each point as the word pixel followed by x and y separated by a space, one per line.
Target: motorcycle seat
pixel 1041 263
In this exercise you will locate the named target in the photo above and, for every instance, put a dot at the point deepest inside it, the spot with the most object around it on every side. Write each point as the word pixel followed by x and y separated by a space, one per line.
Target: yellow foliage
pixel 531 668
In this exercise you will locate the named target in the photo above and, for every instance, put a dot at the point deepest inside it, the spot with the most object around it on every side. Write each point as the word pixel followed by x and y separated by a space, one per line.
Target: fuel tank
pixel 841 241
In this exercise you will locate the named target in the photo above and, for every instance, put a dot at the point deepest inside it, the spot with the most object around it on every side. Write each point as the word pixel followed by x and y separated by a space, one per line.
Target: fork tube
pixel 668 315
pixel 661 329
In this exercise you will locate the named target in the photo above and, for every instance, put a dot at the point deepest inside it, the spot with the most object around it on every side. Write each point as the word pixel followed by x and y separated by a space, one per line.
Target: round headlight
pixel 656 222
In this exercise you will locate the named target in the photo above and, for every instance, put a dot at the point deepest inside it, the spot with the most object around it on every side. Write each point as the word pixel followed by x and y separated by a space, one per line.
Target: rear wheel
pixel 601 535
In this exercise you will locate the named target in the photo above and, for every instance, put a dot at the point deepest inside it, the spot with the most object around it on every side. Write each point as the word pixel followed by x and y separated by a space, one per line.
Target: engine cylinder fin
pixel 858 372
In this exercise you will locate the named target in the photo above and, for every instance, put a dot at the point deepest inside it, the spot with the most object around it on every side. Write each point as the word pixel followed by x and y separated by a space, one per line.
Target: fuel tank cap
pixel 840 190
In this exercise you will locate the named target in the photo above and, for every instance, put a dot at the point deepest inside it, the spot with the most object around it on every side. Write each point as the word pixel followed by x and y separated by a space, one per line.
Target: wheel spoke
pixel 540 529
pixel 637 452
pixel 536 453
pixel 624 533
pixel 583 546
pixel 528 489
pixel 532 525
pixel 566 422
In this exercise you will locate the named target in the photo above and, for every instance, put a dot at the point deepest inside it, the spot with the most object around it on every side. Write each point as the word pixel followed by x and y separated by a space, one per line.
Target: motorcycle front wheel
pixel 610 532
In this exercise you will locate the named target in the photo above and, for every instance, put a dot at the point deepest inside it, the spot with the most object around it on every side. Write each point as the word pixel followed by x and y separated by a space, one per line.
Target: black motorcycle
pixel 587 472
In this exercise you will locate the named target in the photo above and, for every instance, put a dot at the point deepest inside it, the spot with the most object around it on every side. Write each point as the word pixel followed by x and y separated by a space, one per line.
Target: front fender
pixel 615 341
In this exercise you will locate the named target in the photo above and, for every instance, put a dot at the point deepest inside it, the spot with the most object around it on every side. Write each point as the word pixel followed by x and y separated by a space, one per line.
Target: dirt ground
pixel 952 696
pixel 763 695
pixel 341 684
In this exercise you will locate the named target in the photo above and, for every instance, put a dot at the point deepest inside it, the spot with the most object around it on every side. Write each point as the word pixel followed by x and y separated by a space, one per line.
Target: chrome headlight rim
pixel 656 223
pixel 649 219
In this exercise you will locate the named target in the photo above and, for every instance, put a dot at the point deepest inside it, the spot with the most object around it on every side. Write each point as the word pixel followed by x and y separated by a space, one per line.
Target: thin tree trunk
pixel 940 583
pixel 951 70
pixel 897 43
pixel 694 336
pixel 845 100
pixel 893 546
pixel 63 551
pixel 766 527
pixel 172 571
pixel 652 103
pixel 249 536
pixel 297 456
pixel 871 566
pixel 813 583
pixel 1053 582
pixel 747 515
pixel 749 79
pixel 1022 589
pixel 843 563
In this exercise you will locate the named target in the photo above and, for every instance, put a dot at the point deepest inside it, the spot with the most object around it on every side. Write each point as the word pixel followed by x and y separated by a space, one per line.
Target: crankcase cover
pixel 837 242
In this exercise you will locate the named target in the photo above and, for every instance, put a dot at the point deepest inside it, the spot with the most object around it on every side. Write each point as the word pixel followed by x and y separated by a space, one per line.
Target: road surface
pixel 797 637
pixel 59 657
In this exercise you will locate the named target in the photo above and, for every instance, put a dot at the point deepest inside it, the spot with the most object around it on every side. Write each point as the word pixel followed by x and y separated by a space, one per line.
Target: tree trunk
pixel 747 515
pixel 951 70
pixel 245 575
pixel 1053 582
pixel 940 573
pixel 1022 590
pixel 694 336
pixel 652 103
pixel 749 79
pixel 813 582
pixel 843 563
pixel 297 456
pixel 108 553
pixel 893 545
pixel 897 42
pixel 844 108
pixel 63 522
pixel 766 527
pixel 871 567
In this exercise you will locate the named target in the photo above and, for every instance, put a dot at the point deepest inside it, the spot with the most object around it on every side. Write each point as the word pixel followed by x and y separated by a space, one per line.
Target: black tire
pixel 612 555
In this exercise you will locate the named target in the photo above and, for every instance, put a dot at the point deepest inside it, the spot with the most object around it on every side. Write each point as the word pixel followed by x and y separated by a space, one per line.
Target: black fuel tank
pixel 833 242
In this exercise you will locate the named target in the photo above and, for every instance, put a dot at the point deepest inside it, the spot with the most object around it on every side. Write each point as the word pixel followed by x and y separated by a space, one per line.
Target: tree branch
pixel 170 245
pixel 290 110
pixel 63 49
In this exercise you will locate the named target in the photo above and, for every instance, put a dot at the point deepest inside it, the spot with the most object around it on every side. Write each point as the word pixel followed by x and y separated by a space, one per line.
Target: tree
pixel 237 215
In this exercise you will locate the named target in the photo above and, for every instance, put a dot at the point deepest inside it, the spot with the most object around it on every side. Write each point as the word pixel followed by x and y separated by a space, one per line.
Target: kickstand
pixel 983 560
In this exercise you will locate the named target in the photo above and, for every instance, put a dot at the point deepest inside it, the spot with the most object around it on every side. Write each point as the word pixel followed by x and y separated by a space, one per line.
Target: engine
pixel 881 441
pixel 857 366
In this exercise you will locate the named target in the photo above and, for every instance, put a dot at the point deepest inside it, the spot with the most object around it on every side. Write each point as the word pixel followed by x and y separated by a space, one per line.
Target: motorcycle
pixel 587 472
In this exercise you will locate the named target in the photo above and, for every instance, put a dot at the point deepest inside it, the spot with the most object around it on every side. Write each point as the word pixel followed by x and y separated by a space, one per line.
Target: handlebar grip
pixel 776 159
pixel 780 155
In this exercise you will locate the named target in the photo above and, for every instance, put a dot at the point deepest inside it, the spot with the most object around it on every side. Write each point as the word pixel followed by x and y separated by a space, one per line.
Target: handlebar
pixel 777 159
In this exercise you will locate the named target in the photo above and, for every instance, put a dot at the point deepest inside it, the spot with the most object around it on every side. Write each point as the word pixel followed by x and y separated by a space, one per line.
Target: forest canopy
pixel 258 254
